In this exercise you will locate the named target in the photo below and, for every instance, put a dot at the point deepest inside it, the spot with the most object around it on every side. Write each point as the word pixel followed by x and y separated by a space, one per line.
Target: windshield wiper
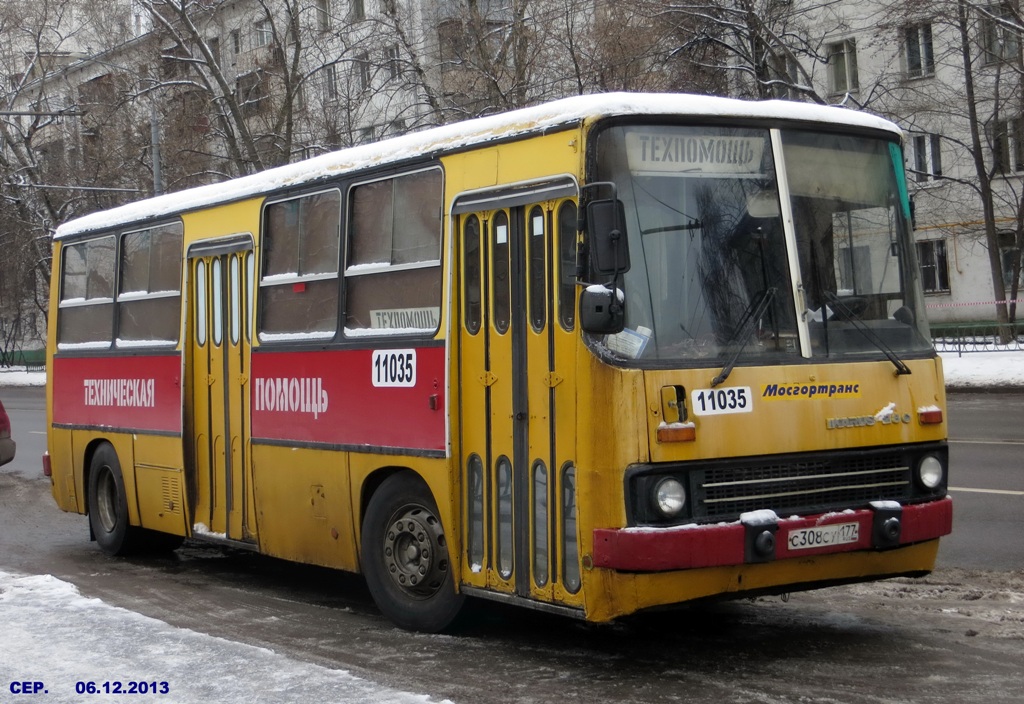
pixel 869 335
pixel 754 311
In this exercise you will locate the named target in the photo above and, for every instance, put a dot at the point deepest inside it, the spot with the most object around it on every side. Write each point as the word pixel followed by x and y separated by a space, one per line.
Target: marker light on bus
pixel 669 497
pixel 930 472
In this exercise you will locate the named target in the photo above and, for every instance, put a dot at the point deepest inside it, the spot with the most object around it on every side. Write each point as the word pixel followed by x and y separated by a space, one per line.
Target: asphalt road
pixel 952 637
pixel 986 451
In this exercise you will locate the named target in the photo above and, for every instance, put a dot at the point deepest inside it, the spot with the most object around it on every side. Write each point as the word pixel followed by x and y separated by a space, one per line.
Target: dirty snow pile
pixel 54 636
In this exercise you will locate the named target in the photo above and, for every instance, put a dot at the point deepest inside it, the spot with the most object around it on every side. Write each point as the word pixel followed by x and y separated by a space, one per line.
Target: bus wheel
pixel 405 557
pixel 108 504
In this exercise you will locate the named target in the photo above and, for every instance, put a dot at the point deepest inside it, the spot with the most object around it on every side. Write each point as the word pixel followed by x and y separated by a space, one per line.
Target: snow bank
pixel 53 635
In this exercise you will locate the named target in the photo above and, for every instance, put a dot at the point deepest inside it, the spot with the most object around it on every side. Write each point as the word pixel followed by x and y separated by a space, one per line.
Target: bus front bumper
pixel 761 537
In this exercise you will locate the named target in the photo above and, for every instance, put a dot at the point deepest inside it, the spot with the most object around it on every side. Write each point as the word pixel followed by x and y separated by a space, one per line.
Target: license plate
pixel 823 536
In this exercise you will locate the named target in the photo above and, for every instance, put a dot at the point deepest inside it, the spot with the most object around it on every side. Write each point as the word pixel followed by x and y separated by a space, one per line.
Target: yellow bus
pixel 605 354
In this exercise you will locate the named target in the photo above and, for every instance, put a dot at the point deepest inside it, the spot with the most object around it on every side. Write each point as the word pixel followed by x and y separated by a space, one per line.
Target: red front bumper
pixel 742 542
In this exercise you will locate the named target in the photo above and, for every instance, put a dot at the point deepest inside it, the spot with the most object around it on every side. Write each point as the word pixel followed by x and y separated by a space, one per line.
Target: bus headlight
pixel 669 497
pixel 930 472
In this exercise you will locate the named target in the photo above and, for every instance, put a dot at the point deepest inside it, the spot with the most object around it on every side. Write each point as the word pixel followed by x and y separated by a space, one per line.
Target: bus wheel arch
pixel 404 554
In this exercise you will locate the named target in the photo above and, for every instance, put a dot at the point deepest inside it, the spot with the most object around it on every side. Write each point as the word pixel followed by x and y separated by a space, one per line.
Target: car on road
pixel 6 443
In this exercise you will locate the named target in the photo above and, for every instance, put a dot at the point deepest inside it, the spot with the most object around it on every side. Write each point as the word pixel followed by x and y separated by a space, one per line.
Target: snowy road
pixel 63 648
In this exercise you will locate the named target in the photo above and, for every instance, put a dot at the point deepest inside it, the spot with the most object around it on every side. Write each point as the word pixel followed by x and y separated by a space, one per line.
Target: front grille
pixel 800 485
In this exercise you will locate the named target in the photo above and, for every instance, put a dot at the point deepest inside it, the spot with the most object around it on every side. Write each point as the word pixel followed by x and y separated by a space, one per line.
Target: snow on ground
pixel 983 369
pixel 53 635
pixel 991 370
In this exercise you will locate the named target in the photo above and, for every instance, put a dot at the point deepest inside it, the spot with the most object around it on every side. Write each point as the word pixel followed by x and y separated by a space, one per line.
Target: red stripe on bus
pixel 329 397
pixel 134 393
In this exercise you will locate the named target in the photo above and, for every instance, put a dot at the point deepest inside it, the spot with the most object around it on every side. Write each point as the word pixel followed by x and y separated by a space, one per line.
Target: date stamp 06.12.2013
pixel 41 689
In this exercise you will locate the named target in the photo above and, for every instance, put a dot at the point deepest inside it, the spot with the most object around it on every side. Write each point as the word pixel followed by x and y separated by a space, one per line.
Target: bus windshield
pixel 714 269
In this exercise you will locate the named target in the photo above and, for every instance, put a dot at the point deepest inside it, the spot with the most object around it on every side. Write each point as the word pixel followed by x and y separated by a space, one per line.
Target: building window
pixel 323 15
pixel 842 60
pixel 1000 38
pixel 920 55
pixel 236 42
pixel 358 11
pixel 925 157
pixel 251 91
pixel 1008 146
pixel 1010 256
pixel 362 68
pixel 786 75
pixel 330 82
pixel 391 60
pixel 264 33
pixel 214 44
pixel 934 274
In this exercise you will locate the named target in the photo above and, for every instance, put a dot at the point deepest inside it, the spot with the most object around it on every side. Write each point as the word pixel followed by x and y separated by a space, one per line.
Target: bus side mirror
pixel 606 233
pixel 601 310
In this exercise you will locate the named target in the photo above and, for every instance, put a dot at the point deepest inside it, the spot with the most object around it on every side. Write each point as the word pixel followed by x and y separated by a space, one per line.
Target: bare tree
pixel 963 83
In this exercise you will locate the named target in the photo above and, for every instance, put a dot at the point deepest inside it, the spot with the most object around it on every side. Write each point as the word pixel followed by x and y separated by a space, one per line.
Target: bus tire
pixel 108 504
pixel 405 557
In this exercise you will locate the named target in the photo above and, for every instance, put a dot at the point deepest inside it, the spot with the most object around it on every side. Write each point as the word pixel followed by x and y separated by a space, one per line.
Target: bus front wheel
pixel 108 504
pixel 405 557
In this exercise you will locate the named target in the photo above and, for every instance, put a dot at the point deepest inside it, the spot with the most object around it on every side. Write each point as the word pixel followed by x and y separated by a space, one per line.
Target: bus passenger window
pixel 149 299
pixel 570 548
pixel 201 306
pixel 86 311
pixel 501 276
pixel 217 286
pixel 299 285
pixel 537 248
pixel 540 523
pixel 567 265
pixel 234 294
pixel 393 270
pixel 471 269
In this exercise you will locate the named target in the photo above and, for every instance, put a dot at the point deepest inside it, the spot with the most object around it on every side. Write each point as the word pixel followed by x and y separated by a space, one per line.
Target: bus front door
pixel 217 406
pixel 518 400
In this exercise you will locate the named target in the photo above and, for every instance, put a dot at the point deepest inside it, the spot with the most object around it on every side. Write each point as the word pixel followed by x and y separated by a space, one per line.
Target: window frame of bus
pixel 357 270
pixel 88 304
pixel 299 282
pixel 125 299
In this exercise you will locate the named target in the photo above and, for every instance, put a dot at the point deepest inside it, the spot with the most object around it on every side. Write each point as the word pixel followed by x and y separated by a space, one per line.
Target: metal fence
pixel 978 337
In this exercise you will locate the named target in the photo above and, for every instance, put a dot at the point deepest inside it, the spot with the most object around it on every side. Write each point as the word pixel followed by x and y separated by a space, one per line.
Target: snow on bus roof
pixel 460 134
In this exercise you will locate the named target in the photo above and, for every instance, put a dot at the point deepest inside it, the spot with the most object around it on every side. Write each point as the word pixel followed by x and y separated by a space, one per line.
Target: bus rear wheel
pixel 405 557
pixel 108 504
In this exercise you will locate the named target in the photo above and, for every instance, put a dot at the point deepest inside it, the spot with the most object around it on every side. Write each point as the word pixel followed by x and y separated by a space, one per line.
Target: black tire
pixel 405 557
pixel 108 505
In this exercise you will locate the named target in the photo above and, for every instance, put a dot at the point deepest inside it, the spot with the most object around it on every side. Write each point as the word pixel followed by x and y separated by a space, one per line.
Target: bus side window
pixel 567 265
pixel 501 300
pixel 393 270
pixel 149 299
pixel 471 275
pixel 299 286
pixel 86 310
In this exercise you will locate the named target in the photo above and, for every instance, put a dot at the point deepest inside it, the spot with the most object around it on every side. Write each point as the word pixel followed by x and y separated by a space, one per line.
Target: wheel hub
pixel 414 551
